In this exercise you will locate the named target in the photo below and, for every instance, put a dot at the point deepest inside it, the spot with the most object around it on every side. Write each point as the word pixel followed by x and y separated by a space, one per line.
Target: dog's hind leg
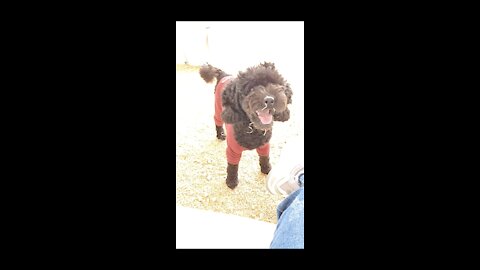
pixel 217 117
pixel 232 176
pixel 220 132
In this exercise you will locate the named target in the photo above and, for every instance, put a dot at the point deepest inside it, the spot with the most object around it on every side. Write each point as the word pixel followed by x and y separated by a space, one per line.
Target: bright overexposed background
pixel 234 46
pixel 231 46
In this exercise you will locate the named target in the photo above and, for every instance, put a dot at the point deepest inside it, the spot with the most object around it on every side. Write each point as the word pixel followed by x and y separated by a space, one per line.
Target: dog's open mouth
pixel 265 116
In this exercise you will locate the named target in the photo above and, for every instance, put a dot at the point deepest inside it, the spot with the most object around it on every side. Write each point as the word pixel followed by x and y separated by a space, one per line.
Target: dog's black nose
pixel 269 101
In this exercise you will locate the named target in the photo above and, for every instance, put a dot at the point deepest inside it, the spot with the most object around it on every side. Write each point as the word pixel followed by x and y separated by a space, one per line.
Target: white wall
pixel 191 42
pixel 233 46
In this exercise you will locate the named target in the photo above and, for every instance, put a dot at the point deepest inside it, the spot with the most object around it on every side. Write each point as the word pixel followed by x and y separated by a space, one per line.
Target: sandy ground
pixel 200 156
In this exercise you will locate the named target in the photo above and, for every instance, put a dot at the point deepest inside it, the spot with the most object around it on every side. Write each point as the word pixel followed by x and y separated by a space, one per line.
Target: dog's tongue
pixel 265 117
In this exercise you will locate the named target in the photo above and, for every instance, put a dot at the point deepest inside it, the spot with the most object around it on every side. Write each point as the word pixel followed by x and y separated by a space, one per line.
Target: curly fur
pixel 251 103
pixel 209 72
pixel 244 96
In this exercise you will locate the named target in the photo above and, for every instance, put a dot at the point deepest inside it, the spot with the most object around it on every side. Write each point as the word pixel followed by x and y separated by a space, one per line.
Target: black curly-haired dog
pixel 248 104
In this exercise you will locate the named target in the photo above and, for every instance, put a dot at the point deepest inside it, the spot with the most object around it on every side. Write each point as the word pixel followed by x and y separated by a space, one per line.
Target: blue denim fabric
pixel 290 226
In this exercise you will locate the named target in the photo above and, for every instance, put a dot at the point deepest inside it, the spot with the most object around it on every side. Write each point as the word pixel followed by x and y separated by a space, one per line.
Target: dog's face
pixel 263 102
pixel 260 95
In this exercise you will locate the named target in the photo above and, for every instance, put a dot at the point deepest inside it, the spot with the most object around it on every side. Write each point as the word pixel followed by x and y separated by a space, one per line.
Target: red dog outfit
pixel 234 150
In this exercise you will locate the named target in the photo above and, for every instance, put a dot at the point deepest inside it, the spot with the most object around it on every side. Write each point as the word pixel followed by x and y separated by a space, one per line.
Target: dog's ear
pixel 288 93
pixel 283 116
pixel 232 111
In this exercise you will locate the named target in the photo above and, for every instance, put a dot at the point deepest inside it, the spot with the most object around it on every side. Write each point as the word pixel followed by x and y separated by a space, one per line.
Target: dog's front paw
pixel 232 182
pixel 232 176
pixel 265 166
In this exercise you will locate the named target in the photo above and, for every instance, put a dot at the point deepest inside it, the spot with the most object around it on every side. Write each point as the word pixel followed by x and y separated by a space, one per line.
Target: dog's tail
pixel 208 72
